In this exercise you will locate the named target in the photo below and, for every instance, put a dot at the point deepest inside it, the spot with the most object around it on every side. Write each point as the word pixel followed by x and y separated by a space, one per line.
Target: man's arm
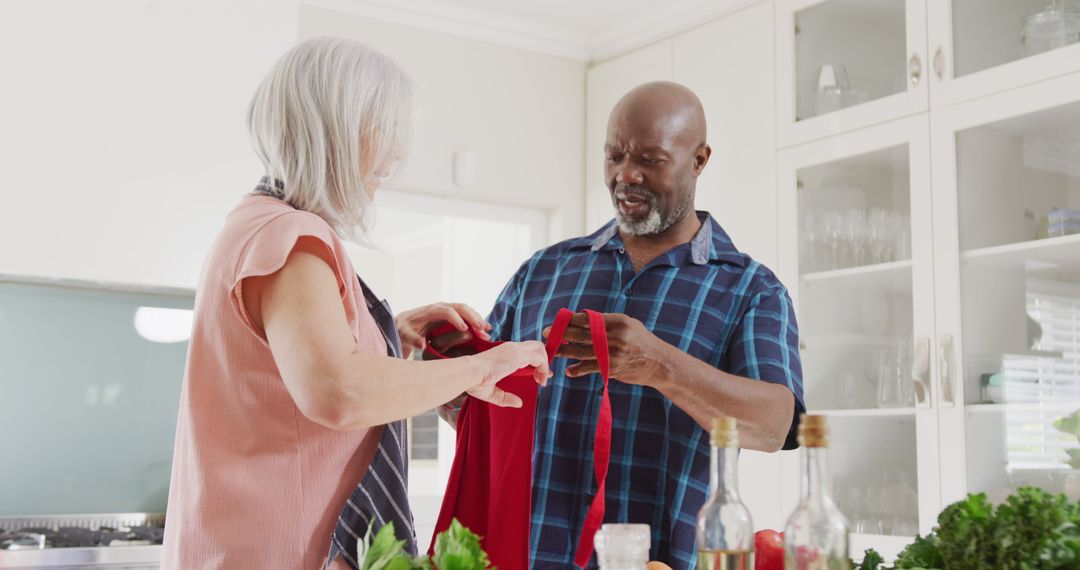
pixel 762 388
pixel 764 410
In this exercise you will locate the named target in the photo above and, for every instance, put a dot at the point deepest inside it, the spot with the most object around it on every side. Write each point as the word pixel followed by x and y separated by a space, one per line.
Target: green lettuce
pixel 1031 530
pixel 458 548
pixel 386 552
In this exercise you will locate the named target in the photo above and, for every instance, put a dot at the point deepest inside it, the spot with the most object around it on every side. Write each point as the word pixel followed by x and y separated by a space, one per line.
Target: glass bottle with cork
pixel 816 537
pixel 725 532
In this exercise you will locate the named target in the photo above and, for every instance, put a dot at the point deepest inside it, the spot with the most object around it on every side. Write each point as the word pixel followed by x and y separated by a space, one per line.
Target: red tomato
pixel 808 557
pixel 768 550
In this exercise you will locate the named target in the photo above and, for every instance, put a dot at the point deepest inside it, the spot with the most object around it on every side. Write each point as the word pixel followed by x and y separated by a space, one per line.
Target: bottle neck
pixel 724 480
pixel 816 484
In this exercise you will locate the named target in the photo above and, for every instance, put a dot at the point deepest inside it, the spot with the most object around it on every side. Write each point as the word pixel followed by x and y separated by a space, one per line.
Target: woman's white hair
pixel 328 120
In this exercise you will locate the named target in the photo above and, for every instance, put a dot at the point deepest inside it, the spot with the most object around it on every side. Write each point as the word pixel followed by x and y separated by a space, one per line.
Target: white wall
pixel 122 141
pixel 607 83
pixel 521 113
pixel 729 63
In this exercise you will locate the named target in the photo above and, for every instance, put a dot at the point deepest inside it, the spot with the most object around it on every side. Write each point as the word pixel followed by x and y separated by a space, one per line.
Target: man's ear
pixel 701 158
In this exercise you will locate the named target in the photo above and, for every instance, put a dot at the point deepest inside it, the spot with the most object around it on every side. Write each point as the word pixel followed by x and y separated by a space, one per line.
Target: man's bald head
pixel 665 107
pixel 655 151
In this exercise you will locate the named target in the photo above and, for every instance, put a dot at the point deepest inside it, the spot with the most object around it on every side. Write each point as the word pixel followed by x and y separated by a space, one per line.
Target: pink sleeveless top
pixel 255 484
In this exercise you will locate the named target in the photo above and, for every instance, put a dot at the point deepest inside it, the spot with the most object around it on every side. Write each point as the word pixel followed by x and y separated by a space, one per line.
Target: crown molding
pixel 468 22
pixel 663 21
pixel 660 24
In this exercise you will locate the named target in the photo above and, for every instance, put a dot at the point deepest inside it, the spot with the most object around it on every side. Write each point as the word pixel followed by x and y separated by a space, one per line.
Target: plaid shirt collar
pixel 711 243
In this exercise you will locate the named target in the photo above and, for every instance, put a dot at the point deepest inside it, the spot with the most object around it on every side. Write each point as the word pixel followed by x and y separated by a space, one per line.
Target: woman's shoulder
pixel 261 231
pixel 256 213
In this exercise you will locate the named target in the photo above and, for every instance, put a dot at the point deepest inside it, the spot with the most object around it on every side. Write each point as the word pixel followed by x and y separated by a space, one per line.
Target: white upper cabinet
pixel 1006 179
pixel 848 64
pixel 980 47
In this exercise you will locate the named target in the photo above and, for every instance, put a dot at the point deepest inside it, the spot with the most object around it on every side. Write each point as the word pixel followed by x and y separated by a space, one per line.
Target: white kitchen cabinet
pixel 1008 288
pixel 987 195
pixel 848 64
pixel 980 47
pixel 857 256
pixel 606 83
pixel 910 231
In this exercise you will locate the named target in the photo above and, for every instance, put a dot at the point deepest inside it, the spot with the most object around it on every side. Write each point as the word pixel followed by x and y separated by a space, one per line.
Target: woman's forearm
pixel 376 389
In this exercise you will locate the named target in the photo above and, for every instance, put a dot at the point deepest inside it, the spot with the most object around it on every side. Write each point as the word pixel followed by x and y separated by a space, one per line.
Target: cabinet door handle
pixel 945 348
pixel 920 372
pixel 915 69
pixel 939 63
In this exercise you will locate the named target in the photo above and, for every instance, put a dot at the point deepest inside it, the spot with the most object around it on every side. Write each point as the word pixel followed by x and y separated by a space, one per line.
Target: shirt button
pixel 629 292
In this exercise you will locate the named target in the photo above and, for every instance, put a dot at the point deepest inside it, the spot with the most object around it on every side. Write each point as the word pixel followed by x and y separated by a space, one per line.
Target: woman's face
pixel 374 181
pixel 373 175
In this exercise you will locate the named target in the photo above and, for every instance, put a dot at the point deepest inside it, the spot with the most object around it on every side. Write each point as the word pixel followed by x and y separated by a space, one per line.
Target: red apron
pixel 490 486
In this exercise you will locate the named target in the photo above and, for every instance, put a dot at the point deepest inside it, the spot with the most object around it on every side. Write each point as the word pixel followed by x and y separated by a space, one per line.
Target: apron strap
pixel 602 443
pixel 558 331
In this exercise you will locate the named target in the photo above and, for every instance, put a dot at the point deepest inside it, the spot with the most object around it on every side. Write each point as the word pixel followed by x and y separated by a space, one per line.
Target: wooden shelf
pixel 893 276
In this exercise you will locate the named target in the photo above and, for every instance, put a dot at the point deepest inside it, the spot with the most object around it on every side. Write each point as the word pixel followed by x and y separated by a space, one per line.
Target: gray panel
pixel 87 405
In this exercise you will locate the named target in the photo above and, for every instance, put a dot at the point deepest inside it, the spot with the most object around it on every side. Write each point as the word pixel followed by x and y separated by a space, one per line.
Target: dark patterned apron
pixel 382 495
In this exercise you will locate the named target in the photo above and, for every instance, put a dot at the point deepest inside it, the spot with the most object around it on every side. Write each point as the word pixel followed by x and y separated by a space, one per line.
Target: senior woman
pixel 290 419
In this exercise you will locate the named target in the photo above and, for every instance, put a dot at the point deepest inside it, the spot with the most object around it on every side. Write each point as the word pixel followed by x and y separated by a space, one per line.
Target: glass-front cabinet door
pixel 1007 226
pixel 979 47
pixel 858 262
pixel 846 64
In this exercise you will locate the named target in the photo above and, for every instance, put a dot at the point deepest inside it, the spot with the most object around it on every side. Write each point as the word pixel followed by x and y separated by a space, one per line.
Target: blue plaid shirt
pixel 706 298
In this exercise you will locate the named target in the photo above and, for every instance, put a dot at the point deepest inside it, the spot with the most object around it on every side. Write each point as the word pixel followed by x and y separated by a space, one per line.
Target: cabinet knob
pixel 939 63
pixel 915 69
pixel 920 372
pixel 945 356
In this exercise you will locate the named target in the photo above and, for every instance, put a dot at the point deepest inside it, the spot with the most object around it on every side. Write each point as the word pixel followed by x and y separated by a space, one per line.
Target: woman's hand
pixel 504 360
pixel 414 325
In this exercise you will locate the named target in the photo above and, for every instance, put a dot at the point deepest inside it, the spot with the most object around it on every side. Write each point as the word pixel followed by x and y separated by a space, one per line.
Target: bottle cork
pixel 724 432
pixel 813 431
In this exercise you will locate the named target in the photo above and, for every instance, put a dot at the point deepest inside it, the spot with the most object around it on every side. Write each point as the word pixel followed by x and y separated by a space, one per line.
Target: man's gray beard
pixel 652 224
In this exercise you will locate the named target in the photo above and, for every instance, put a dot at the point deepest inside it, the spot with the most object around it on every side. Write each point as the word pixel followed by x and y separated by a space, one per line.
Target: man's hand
pixel 634 349
pixel 415 324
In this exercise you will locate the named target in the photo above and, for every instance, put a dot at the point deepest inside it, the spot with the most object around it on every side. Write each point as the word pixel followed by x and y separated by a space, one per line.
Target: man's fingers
pixel 449 340
pixel 577 334
pixel 582 369
pixel 577 351
pixel 472 317
pixel 412 340
pixel 441 312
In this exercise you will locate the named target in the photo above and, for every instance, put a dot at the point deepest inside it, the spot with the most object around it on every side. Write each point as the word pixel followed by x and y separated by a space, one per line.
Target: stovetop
pixel 82 542
pixel 29 538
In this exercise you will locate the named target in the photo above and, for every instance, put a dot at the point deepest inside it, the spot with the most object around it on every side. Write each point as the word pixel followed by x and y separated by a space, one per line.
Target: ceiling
pixel 586 16
pixel 587 30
